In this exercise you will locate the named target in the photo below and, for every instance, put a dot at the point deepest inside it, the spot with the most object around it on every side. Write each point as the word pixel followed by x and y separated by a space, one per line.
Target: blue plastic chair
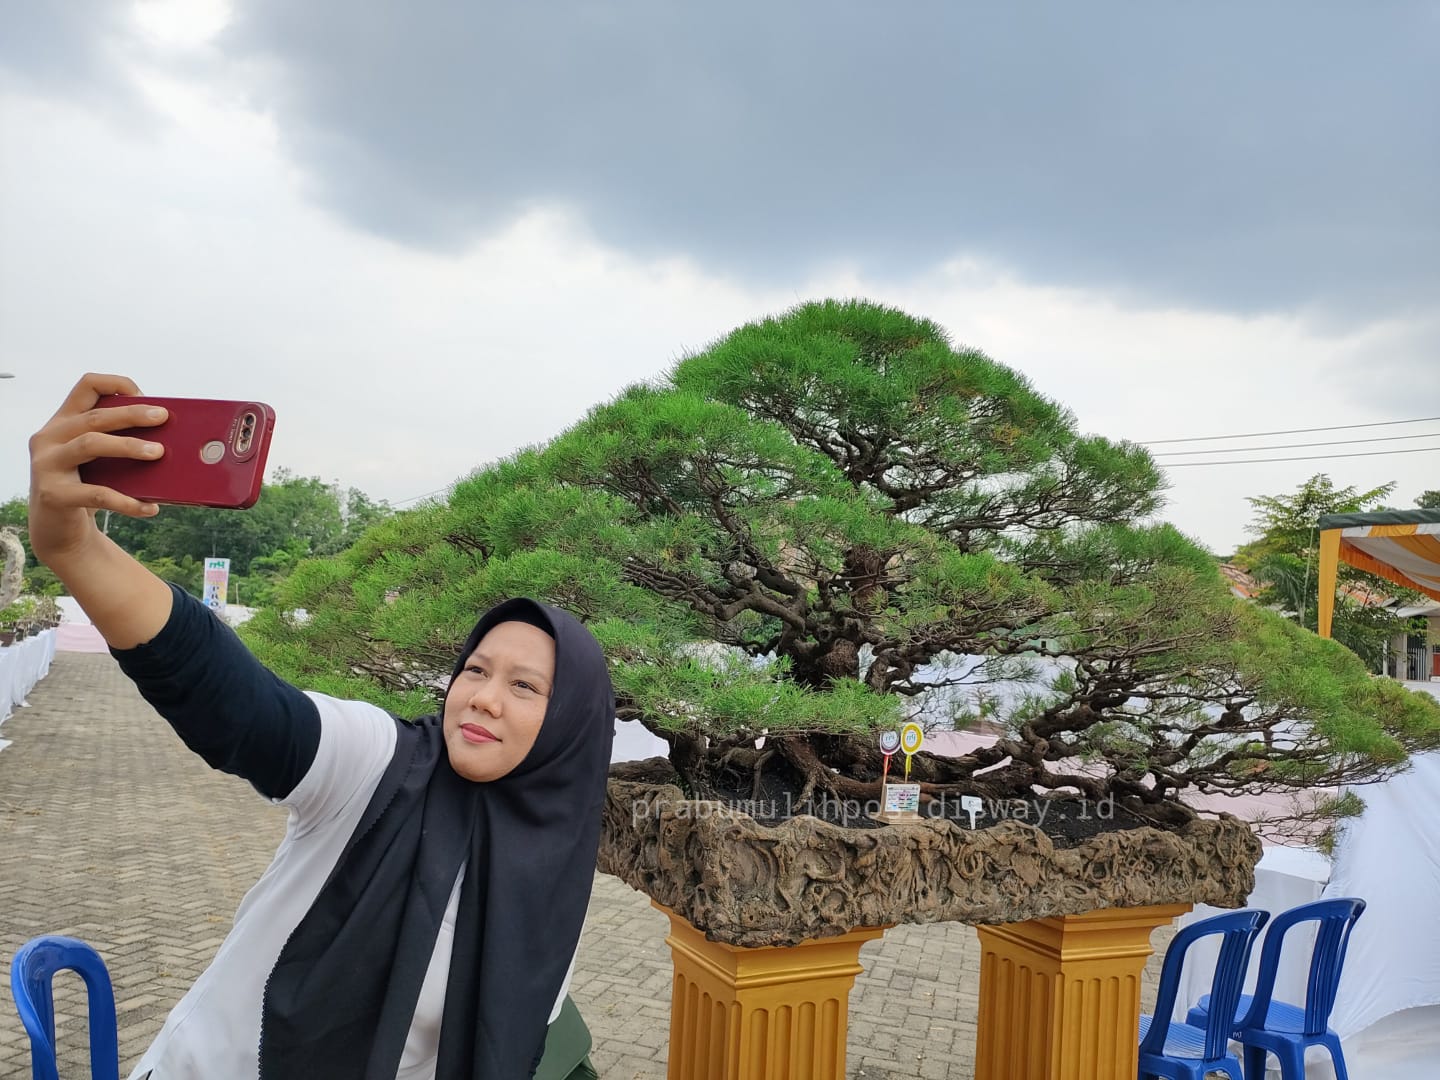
pixel 1179 1051
pixel 31 974
pixel 1265 1026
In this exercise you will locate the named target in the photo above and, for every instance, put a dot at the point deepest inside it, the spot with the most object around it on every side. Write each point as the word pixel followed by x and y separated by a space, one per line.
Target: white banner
pixel 217 583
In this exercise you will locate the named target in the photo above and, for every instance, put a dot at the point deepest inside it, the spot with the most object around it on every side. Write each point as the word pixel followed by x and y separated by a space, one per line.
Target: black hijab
pixel 342 995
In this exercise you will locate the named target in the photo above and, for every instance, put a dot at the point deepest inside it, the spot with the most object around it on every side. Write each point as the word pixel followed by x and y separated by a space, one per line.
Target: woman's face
pixel 495 706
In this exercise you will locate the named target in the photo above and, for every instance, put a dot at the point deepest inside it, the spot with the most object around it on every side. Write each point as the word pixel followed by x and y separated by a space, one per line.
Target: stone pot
pixel 749 884
pixel 767 923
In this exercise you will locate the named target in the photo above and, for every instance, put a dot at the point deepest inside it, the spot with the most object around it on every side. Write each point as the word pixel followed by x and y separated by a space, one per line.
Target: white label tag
pixel 902 798
pixel 972 805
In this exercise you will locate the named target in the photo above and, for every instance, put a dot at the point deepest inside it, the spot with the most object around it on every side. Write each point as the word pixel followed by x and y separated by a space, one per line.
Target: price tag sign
pixel 912 735
pixel 902 798
pixel 972 805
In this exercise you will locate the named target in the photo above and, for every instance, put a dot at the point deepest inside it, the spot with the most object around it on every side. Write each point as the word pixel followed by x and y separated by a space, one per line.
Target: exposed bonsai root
pixel 720 772
pixel 759 768
pixel 813 772
pixel 1165 813
pixel 807 792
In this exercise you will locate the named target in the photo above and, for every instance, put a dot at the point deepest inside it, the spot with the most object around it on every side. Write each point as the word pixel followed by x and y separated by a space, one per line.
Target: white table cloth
pixel 22 665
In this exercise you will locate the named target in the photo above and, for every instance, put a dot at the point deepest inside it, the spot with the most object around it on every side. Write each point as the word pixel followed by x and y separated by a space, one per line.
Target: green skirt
pixel 567 1048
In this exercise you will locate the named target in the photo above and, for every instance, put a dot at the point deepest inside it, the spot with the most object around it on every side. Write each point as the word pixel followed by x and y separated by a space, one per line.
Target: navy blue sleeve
pixel 222 702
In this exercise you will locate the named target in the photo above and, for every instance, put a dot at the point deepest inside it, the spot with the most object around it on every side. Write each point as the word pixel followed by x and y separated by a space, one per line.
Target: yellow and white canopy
pixel 1401 546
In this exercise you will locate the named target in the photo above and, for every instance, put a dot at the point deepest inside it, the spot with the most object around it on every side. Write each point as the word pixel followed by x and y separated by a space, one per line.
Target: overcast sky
pixel 431 233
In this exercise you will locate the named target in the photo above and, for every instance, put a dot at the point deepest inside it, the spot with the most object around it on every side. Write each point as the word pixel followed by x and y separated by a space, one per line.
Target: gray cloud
pixel 1248 157
pixel 1398 373
pixel 1243 156
pixel 62 48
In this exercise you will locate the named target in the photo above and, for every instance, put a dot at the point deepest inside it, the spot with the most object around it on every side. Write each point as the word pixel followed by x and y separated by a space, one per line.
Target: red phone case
pixel 215 453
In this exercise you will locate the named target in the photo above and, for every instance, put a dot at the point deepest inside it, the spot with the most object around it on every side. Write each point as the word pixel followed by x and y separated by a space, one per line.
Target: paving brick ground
pixel 112 832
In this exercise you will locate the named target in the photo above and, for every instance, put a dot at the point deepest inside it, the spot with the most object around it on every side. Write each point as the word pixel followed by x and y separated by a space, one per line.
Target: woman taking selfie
pixel 421 916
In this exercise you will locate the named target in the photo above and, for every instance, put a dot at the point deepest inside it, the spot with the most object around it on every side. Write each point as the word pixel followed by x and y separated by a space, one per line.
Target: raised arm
pixel 192 668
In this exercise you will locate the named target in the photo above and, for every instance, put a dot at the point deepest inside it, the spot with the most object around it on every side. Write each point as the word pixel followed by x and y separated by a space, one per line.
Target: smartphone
pixel 215 453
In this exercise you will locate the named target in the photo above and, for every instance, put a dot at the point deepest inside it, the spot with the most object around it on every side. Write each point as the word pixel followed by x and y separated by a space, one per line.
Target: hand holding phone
pixel 98 438
pixel 215 453
pixel 62 506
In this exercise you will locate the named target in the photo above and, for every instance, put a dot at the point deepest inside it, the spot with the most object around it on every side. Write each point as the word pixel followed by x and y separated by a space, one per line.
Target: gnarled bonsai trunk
pixel 12 579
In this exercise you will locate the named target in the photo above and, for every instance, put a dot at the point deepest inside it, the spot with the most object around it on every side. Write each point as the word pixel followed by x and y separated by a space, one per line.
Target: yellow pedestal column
pixel 757 1014
pixel 1060 998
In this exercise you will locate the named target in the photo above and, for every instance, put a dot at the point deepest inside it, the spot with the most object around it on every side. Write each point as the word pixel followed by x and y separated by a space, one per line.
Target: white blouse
pixel 213 1033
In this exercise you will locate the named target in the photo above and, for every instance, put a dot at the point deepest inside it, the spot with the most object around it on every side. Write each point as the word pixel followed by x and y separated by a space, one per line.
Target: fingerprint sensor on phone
pixel 212 452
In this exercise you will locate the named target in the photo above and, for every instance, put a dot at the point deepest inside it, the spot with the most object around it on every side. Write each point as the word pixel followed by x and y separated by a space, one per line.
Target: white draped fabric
pixel 1390 858
pixel 22 665
pixel 1390 855
pixel 1389 997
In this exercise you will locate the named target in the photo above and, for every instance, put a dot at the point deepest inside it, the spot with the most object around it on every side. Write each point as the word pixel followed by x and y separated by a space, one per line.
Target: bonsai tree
pixel 12 566
pixel 832 521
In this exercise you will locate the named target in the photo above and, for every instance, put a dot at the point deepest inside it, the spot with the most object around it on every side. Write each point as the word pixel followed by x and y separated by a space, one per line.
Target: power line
pixel 1225 450
pixel 416 498
pixel 1291 431
pixel 1313 457
pixel 1296 446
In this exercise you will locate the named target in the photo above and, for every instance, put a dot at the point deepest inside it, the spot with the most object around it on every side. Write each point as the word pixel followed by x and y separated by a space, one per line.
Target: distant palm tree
pixel 1287 580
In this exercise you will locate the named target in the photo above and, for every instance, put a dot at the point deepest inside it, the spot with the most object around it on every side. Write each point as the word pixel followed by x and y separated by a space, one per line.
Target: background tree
pixel 289 507
pixel 833 520
pixel 295 517
pixel 1429 500
pixel 1284 558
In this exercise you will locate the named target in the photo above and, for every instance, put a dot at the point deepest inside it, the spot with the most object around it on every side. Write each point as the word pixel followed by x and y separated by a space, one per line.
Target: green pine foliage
pixel 821 522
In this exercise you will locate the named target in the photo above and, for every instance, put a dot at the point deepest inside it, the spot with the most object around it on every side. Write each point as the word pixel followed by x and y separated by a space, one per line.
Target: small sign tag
pixel 889 743
pixel 217 584
pixel 912 735
pixel 972 805
pixel 902 798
